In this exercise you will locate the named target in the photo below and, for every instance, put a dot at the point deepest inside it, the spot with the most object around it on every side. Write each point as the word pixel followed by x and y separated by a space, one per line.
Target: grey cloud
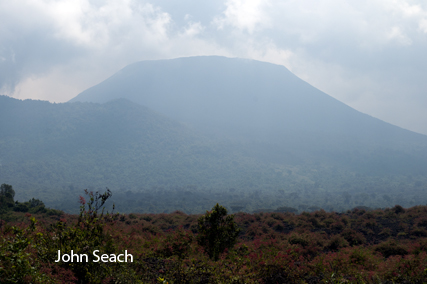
pixel 368 54
pixel 29 47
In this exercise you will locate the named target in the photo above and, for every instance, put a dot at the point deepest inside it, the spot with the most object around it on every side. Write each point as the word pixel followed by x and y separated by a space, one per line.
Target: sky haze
pixel 370 55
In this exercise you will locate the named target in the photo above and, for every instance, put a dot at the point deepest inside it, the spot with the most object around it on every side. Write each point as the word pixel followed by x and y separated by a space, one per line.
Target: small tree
pixel 217 231
pixel 7 195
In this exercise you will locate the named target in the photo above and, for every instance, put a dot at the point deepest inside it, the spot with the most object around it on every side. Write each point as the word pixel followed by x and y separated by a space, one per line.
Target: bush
pixel 178 243
pixel 297 239
pixel 398 209
pixel 419 232
pixel 352 237
pixel 54 212
pixel 20 207
pixel 337 242
pixel 390 248
pixel 146 218
pixel 217 231
pixel 16 263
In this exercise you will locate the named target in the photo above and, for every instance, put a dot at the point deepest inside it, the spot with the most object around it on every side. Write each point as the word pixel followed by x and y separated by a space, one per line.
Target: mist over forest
pixel 187 133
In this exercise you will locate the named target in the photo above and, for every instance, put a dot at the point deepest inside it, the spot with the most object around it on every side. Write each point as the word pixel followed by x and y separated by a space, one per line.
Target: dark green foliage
pixel 391 248
pixel 54 212
pixel 217 231
pixel 398 209
pixel 6 197
pixel 352 237
pixel 337 242
pixel 32 206
pixel 419 232
pixel 21 207
pixel 297 239
pixel 147 218
pixel 6 191
pixel 17 264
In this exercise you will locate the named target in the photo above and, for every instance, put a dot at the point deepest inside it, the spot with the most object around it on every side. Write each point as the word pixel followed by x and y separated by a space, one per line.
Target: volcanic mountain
pixel 186 133
pixel 280 117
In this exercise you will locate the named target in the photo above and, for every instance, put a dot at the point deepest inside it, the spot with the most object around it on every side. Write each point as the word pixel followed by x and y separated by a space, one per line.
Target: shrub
pixel 337 226
pixel 147 218
pixel 54 212
pixel 297 239
pixel 422 222
pixel 359 256
pixel 352 237
pixel 391 248
pixel 419 232
pixel 337 242
pixel 328 222
pixel 398 209
pixel 178 243
pixel 276 216
pixel 21 207
pixel 16 263
pixel 279 227
pixel 385 232
pixel 38 209
pixel 217 231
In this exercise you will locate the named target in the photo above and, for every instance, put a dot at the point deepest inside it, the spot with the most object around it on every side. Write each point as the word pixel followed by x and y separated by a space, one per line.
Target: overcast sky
pixel 369 54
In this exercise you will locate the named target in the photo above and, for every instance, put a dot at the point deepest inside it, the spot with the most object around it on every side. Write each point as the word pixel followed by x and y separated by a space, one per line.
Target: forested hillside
pixel 53 149
pixel 155 164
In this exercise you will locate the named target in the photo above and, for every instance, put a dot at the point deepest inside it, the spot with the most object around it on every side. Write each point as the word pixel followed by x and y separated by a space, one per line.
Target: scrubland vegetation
pixel 358 246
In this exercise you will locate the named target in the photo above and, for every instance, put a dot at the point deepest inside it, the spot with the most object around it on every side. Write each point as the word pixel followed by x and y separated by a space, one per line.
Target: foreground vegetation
pixel 359 246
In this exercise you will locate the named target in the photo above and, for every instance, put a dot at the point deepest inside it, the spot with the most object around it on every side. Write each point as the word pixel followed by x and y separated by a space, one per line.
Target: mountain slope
pixel 155 164
pixel 51 149
pixel 283 119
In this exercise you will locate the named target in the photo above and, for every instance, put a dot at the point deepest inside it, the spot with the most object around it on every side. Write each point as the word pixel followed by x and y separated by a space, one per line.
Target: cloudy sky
pixel 369 54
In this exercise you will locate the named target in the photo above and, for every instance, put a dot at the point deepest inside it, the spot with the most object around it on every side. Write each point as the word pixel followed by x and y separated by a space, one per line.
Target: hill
pixel 49 150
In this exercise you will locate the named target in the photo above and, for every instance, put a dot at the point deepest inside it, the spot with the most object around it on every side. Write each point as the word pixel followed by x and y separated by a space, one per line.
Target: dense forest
pixel 155 164
pixel 357 246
